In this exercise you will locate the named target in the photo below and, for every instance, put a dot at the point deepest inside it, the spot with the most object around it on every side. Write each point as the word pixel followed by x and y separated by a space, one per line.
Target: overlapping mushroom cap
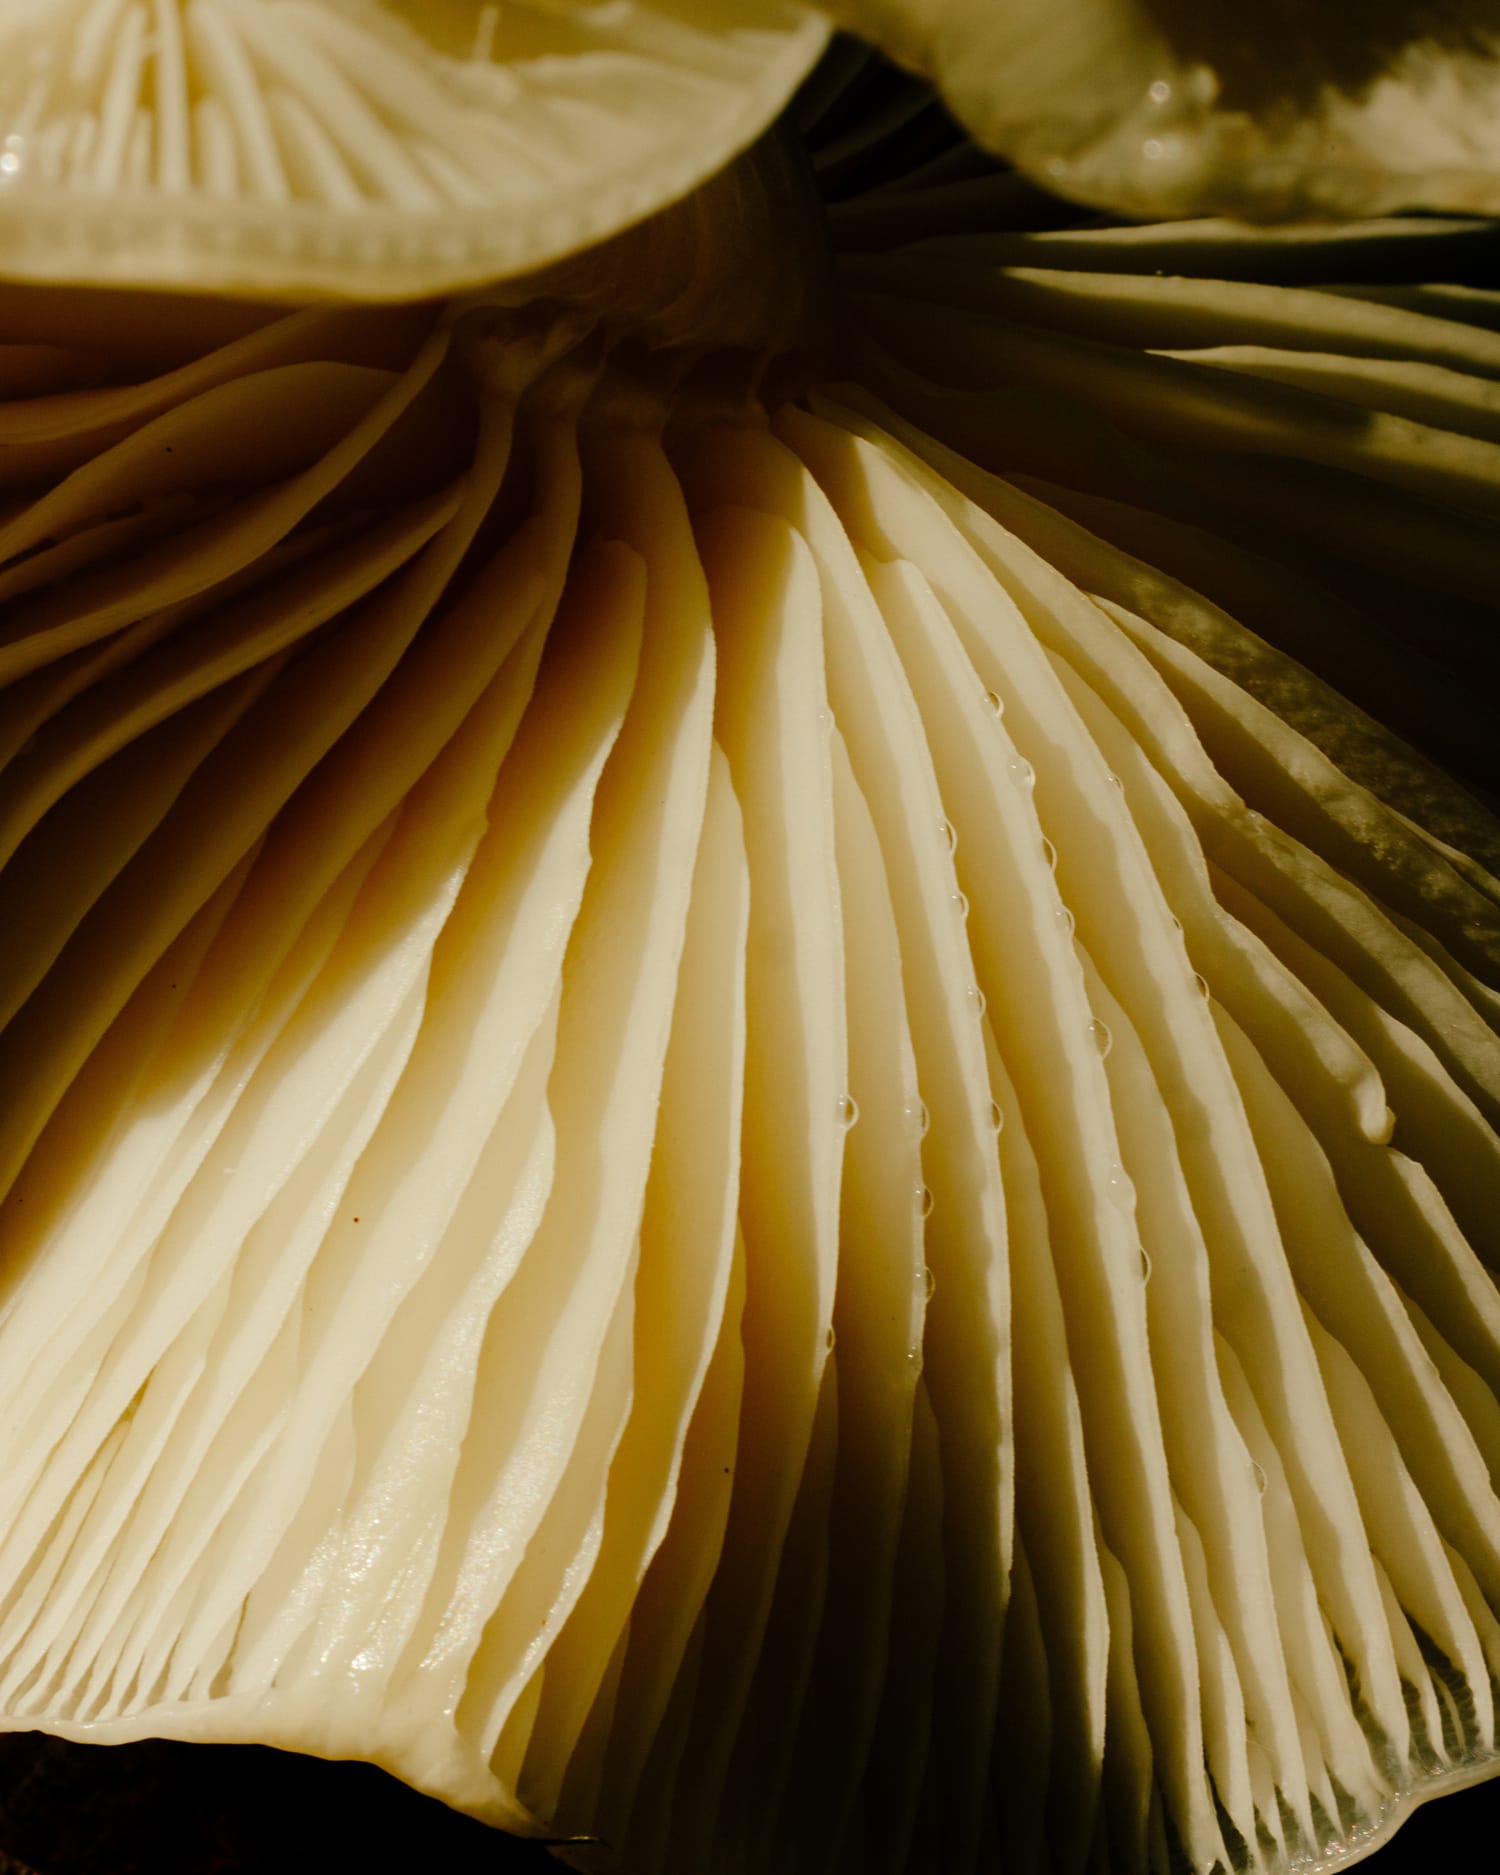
pixel 366 148
pixel 380 148
pixel 1174 107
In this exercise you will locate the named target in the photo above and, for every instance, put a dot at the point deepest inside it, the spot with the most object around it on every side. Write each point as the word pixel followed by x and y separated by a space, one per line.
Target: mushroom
pixel 723 1127
pixel 1176 107
pixel 366 148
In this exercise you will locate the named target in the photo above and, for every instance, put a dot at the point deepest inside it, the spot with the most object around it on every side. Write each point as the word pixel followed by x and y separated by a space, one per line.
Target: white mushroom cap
pixel 1176 107
pixel 363 148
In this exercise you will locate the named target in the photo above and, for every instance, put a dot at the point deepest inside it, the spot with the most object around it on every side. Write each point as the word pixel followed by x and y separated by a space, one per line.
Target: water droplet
pixel 1145 1263
pixel 1103 1040
pixel 950 835
pixel 925 1200
pixel 918 1119
pixel 914 1359
pixel 997 1117
pixel 848 1111
pixel 1021 771
pixel 1118 1187
pixel 961 900
pixel 1203 990
pixel 1159 92
pixel 1176 924
pixel 1153 149
pixel 1115 781
pixel 825 717
pixel 1049 853
pixel 1066 919
pixel 994 703
pixel 829 1339
pixel 1261 1480
pixel 929 1281
pixel 978 998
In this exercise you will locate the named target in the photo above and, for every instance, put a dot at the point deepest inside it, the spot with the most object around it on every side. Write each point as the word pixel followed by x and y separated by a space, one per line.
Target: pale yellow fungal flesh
pixel 366 149
pixel 1176 107
pixel 382 148
pixel 716 1136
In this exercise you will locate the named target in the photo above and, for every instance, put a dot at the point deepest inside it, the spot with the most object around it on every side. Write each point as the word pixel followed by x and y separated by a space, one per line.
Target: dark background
pixel 168 1809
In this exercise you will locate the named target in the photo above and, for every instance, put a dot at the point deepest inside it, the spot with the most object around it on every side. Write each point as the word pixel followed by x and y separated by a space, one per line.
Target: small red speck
pixel 356 1220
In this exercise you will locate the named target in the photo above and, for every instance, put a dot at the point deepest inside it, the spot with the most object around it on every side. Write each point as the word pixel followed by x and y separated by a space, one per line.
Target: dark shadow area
pixel 1450 1833
pixel 160 1808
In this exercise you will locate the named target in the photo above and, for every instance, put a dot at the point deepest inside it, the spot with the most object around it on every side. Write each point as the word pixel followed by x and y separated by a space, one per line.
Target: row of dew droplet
pixel 1118 1184
pixel 927 1281
pixel 1023 773
pixel 1119 1187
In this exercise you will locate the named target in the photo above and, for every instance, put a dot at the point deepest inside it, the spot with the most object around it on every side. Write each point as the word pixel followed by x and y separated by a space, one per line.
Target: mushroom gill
pixel 722 1126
